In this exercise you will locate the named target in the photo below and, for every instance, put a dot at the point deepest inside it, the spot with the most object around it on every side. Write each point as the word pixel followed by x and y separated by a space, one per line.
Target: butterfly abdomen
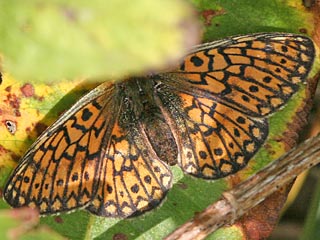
pixel 143 113
pixel 162 140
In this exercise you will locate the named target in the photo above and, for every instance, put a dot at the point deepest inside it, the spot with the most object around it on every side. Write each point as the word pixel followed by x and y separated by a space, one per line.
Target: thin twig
pixel 251 192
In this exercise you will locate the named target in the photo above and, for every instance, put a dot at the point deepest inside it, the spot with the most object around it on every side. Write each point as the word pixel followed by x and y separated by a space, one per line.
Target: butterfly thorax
pixel 142 111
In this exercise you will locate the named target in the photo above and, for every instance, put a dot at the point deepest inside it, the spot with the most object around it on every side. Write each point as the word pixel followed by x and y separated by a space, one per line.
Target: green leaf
pixel 56 39
pixel 232 17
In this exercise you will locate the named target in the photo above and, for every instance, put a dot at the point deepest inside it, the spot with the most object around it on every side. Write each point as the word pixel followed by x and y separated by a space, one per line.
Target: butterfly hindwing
pixel 215 140
pixel 132 180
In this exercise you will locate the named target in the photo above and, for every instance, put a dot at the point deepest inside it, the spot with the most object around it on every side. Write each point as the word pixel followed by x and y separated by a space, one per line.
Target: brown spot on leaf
pixel 17 113
pixel 8 89
pixel 28 130
pixel 182 185
pixel 209 14
pixel 58 219
pixel 10 153
pixel 3 149
pixel 303 30
pixel 39 128
pixel 70 13
pixel 119 236
pixel 269 149
pixel 27 90
pixel 13 100
pixel 39 98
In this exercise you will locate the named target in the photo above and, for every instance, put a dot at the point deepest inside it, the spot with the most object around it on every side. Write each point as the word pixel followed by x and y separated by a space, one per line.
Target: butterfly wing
pixel 59 171
pixel 255 74
pixel 223 93
pixel 133 179
pixel 87 159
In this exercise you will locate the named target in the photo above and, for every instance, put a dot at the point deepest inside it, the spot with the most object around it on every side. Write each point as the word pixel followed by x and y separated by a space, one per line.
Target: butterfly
pixel 110 153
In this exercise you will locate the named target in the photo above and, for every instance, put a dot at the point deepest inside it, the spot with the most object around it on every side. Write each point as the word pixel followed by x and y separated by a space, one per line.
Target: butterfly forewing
pixel 254 74
pixel 60 171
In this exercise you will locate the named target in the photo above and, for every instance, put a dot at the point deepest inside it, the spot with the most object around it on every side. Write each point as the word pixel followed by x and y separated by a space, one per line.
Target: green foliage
pixel 232 17
pixel 56 39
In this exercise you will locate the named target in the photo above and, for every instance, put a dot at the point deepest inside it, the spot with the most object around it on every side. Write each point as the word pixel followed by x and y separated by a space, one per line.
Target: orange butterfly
pixel 110 152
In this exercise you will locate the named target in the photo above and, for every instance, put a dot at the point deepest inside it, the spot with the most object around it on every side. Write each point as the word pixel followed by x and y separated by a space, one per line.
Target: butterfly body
pixel 110 153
